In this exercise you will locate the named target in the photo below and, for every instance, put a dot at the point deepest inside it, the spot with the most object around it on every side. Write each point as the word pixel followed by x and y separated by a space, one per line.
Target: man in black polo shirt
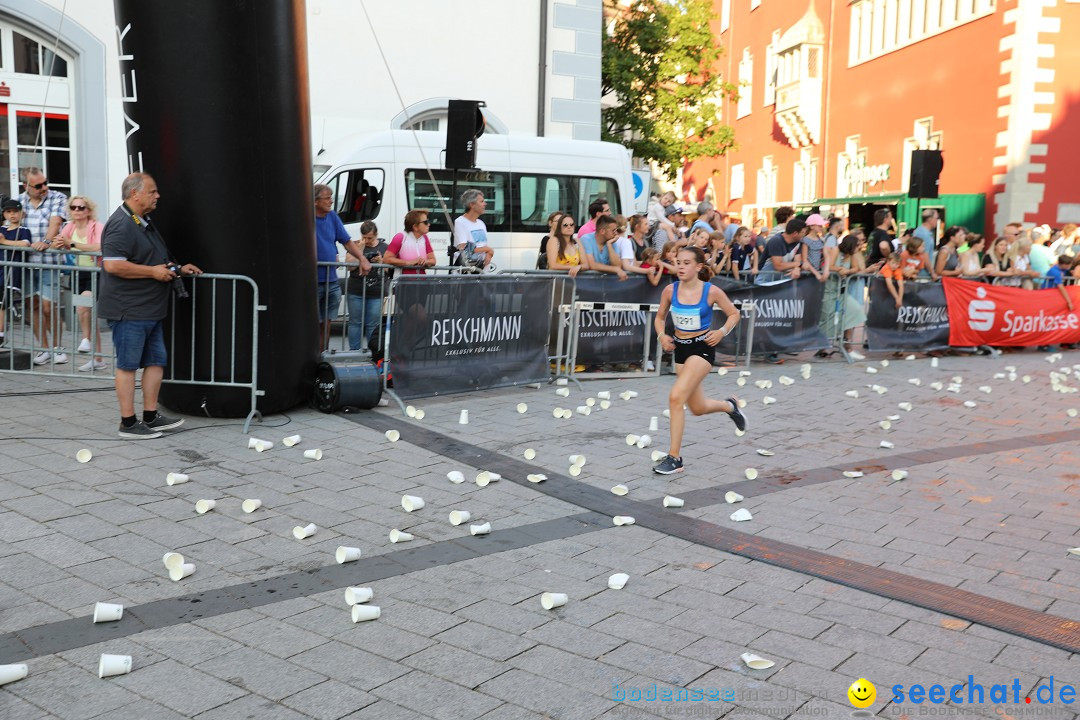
pixel 881 240
pixel 134 298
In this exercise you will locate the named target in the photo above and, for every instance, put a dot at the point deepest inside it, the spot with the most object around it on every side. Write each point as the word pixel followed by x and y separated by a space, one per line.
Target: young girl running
pixel 690 299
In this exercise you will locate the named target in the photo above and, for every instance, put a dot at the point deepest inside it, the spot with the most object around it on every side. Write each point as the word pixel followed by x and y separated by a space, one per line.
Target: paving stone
pixel 650 662
pixel 455 665
pixel 484 640
pixel 350 665
pixel 329 700
pixel 545 696
pixel 254 707
pixel 435 697
pixel 261 673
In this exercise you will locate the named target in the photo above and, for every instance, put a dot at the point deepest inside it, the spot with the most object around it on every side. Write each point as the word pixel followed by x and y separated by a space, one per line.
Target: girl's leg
pixel 688 380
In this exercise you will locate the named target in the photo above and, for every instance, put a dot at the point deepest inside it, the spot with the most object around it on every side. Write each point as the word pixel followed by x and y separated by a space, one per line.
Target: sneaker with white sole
pixel 164 422
pixel 92 365
pixel 668 466
pixel 43 357
pixel 736 414
pixel 59 358
pixel 84 346
pixel 138 431
pixel 856 355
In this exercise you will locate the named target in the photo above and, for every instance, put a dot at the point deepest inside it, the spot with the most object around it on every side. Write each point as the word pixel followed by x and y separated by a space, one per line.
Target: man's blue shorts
pixel 329 298
pixel 47 283
pixel 138 343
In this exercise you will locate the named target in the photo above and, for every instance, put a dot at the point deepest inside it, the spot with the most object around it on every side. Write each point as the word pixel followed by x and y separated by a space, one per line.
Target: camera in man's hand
pixel 177 284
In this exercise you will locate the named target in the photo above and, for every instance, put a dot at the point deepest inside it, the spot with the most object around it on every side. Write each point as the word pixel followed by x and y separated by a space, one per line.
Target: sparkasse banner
pixel 981 314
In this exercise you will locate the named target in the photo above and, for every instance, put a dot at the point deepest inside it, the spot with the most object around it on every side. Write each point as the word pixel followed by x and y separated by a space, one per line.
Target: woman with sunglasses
pixel 83 235
pixel 562 249
pixel 411 250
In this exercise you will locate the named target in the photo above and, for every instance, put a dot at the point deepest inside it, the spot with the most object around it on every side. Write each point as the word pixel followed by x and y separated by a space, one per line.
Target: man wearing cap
pixel 44 210
pixel 134 297
pixel 13 234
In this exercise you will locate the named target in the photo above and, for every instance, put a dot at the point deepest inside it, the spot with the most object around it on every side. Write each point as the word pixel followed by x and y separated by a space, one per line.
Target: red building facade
pixel 837 93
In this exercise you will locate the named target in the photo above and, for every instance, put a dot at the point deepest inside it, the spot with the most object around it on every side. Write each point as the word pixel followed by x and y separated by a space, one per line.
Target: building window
pixel 882 26
pixel 766 182
pixel 430 124
pixel 754 5
pixel 738 181
pixel 746 88
pixel 771 69
pixel 34 59
pixel 805 178
pixel 725 15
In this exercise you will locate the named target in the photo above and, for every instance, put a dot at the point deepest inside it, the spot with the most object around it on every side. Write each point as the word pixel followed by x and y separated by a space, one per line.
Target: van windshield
pixel 319 171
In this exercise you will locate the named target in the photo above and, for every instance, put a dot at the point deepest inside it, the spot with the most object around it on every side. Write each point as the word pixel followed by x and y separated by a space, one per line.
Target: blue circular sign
pixel 639 186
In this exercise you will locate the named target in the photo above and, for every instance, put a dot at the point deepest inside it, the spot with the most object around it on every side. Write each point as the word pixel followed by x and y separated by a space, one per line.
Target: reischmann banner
pixel 920 323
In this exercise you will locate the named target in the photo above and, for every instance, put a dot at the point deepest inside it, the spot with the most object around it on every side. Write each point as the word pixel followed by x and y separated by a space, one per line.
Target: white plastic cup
pixel 364 613
pixel 563 392
pixel 536 477
pixel 658 455
pixel 666 413
pixel 302 532
pixel 933 362
pixel 853 473
pixel 1072 412
pixel 529 454
pixel 263 446
pixel 250 505
pixel 482 529
pixel 410 411
pixel 905 406
pixel 522 408
pixel 584 410
pixel 457 517
pixel 84 455
pixel 550 600
pixel 391 435
pixel 673 502
pixel 899 474
pixel 756 662
pixel 590 402
pixel 604 394
pixel 915 381
pixel 654 424
pixel 768 400
pixel 11 673
pixel 644 441
pixel 574 470
pixel 578 460
pixel 347 554
pixel 172 559
pixel 316 453
pixel 358 595
pixel 178 573
pixel 721 371
pixel 204 506
pixel 412 502
pixel 741 382
pixel 397 536
pixel 620 490
pixel 175 478
pixel 885 425
pixel 561 381
pixel 455 476
pixel 620 520
pixel 751 473
pixel 557 413
pixel 887 445
pixel 871 371
pixel 852 393
pixel 732 497
pixel 605 404
pixel 631 394
pixel 741 515
pixel 108 612
pixel 420 414
pixel 253 443
pixel 617 581
pixel 110 665
pixel 632 439
pixel 291 440
pixel 486 477
pixel 463 417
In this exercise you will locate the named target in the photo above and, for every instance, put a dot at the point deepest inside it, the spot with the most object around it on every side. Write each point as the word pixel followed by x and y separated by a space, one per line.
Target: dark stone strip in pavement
pixel 1007 617
pixel 36 641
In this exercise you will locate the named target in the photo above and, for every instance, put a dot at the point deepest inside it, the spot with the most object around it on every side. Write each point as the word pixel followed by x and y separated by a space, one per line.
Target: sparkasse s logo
pixel 981 312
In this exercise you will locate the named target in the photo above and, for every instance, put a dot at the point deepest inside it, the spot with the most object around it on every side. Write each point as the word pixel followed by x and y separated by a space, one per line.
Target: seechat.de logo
pixel 981 312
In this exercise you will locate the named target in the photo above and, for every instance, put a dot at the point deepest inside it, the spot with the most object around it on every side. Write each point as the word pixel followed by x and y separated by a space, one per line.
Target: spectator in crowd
pixel 562 249
pixel 1074 267
pixel 833 229
pixel 13 235
pixel 597 207
pixel 667 256
pixel 595 247
pixel 658 219
pixel 881 240
pixel 329 231
pixel 622 248
pixel 1069 242
pixel 998 264
pixel 971 261
pixel 44 210
pixel 813 248
pixel 707 218
pixel 783 254
pixel 947 262
pixel 894 278
pixel 1041 256
pixel 744 255
pixel 135 287
pixel 651 262
pixel 639 228
pixel 1012 233
pixel 850 262
pixel 366 291
pixel 783 214
pixel 470 232
pixel 915 259
pixel 730 228
pixel 83 235
pixel 541 257
pixel 411 250
pixel 1021 261
pixel 718 256
pixel 678 219
pixel 1055 278
pixel 927 230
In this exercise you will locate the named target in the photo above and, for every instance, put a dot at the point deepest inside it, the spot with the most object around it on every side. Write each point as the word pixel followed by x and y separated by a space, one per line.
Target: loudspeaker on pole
pixel 464 124
pixel 926 168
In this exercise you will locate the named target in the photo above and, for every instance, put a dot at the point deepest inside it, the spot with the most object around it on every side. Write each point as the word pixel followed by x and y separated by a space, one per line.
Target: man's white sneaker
pixel 92 365
pixel 42 358
pixel 856 355
pixel 60 358
pixel 84 346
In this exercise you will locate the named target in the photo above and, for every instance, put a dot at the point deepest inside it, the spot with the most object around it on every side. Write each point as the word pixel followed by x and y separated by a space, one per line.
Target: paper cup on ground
pixel 756 662
pixel 175 478
pixel 666 413
pixel 463 417
pixel 420 414
pixel 263 446
pixel 658 455
pixel 316 453
pixel 673 502
pixel 605 404
pixel 176 574
pixel 885 425
pixel 11 673
pixel 397 536
pixel 751 473
pixel 457 517
pixel 871 371
pixel 172 559
pixel 584 410
pixel 905 406
pixel 721 371
pixel 578 460
pixel 644 441
pixel 768 400
pixel 563 392
pixel 617 581
pixel 250 505
pixel 741 382
pixel 1025 379
pixel 899 474
pixel 561 381
pixel 631 394
pixel 301 532
pixel 291 440
pixel 986 389
pixel 604 394
pixel 970 404
pixel 346 554
pixel 253 443
pixel 110 665
pixel 654 424
pixel 529 454
pixel 410 411
pixel 852 393
pixel 486 477
pixel 574 470
pixel 914 381
pixel 107 612
pixel 765 453
pixel 620 490
pixel 741 515
pixel 1072 412
pixel 732 497
pixel 482 529
pixel 632 439
pixel 887 445
pixel 358 595
pixel 204 506
pixel 590 402
pixel 84 455
pixel 933 362
pixel 455 476
pixel 853 473
pixel 522 408
pixel 391 435
pixel 412 502
pixel 363 613
pixel 550 600
pixel 536 478
pixel 620 520
pixel 557 413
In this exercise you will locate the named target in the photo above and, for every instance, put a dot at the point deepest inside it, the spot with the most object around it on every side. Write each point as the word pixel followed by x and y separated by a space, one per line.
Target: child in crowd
pixel 657 217
pixel 668 256
pixel 894 278
pixel 12 235
pixel 718 255
pixel 1055 278
pixel 915 259
pixel 650 260
pixel 744 254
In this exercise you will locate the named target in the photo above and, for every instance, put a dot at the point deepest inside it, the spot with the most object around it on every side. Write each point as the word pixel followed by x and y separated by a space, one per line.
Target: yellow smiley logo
pixel 862 693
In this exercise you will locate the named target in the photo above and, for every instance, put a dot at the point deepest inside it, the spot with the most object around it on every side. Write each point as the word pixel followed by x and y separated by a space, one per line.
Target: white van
pixel 382 176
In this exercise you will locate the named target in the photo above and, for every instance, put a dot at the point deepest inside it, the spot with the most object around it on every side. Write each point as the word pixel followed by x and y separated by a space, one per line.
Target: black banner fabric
pixel 787 316
pixel 458 333
pixel 613 336
pixel 921 323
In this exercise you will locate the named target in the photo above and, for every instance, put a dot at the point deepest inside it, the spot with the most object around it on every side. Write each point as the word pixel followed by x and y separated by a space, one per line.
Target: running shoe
pixel 668 466
pixel 164 422
pixel 138 431
pixel 737 416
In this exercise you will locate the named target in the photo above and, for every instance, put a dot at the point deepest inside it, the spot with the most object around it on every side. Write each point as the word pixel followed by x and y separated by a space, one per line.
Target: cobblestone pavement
pixel 262 628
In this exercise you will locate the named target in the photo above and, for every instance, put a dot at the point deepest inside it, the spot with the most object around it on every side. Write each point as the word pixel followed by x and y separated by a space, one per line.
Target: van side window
pixel 358 194
pixel 537 196
pixel 422 196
